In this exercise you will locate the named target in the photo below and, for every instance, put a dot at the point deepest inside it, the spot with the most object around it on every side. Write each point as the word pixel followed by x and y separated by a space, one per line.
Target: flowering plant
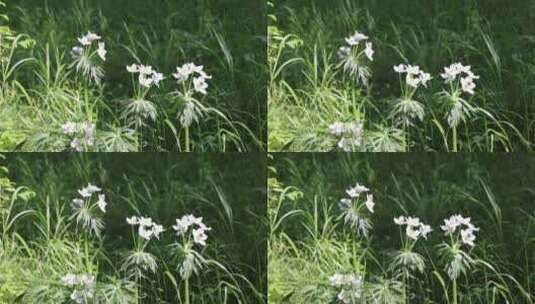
pixel 82 287
pixel 81 135
pixel 355 57
pixel 406 108
pixel 460 79
pixel 87 55
pixel 349 286
pixel 355 207
pixel 191 79
pixel 87 209
pixel 349 135
pixel 460 232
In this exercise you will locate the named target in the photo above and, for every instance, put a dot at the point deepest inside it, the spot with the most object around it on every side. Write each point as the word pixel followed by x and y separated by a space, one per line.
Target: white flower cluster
pixel 414 228
pixel 350 134
pixel 464 72
pixel 352 208
pixel 147 228
pixel 354 40
pixel 351 286
pixel 199 232
pixel 415 76
pixel 355 59
pixel 83 134
pixel 188 70
pixel 355 192
pixel 86 193
pixel 86 41
pixel 83 284
pixel 464 224
pixel 147 75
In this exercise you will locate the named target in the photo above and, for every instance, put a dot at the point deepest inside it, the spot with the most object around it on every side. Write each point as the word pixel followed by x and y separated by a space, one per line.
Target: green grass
pixel 41 90
pixel 309 241
pixel 41 241
pixel 308 91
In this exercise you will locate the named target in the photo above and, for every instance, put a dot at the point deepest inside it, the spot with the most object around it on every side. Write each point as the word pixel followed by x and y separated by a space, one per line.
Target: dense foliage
pixel 469 88
pixel 331 246
pixel 162 229
pixel 65 85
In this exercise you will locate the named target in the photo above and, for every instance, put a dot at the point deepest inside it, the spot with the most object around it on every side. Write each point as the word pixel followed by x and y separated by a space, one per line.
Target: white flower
pixel 400 68
pixel 144 80
pixel 412 221
pixel 145 221
pixel 70 280
pixel 88 39
pixel 156 230
pixel 468 237
pixel 412 80
pixel 157 78
pixel 199 236
pixel 356 38
pixel 200 85
pixel 101 202
pixel 424 78
pixel 468 85
pixel 337 280
pixel 412 232
pixel 400 220
pixel 87 279
pixel 413 69
pixel 369 202
pixel 92 36
pixel 144 232
pixel 357 190
pixel 425 230
pixel 84 41
pixel 132 220
pixel 102 51
pixel 89 190
pixel 134 68
pixel 69 128
pixel 337 128
pixel 145 69
pixel 369 51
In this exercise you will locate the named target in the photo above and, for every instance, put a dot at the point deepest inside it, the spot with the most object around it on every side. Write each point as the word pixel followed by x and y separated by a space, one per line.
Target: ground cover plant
pixel 401 228
pixel 138 228
pixel 132 76
pixel 401 75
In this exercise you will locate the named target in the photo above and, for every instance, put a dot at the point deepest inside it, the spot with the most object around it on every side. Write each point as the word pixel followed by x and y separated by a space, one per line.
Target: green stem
pixel 186 131
pixel 405 287
pixel 454 291
pixel 454 139
pixel 186 291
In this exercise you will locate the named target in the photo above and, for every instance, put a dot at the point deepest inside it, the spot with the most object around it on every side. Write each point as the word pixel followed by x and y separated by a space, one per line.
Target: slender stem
pixel 186 291
pixel 186 135
pixel 454 139
pixel 405 300
pixel 454 291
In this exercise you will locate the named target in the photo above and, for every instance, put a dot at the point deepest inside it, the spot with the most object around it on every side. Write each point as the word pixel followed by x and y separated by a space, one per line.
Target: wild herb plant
pixel 315 258
pixel 53 251
pixel 309 89
pixel 51 83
